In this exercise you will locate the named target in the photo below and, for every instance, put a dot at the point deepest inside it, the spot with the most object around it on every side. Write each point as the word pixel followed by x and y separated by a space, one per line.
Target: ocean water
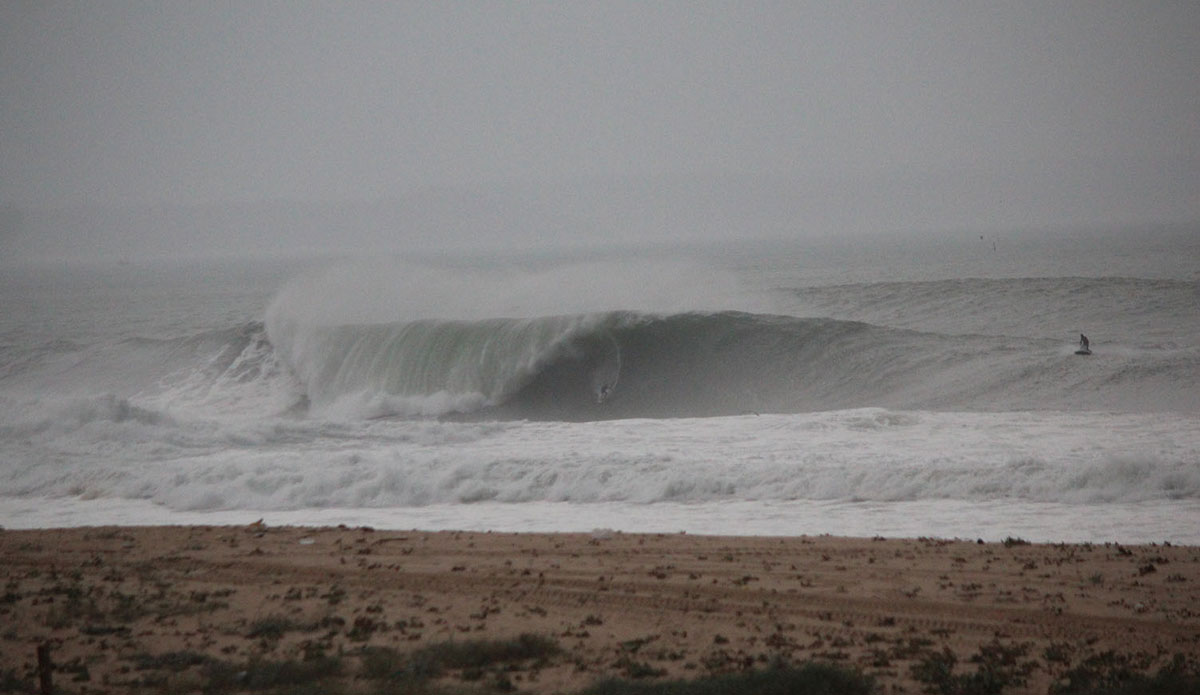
pixel 882 388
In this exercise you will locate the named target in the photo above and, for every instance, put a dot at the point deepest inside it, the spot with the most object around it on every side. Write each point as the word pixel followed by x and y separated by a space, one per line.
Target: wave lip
pixel 433 367
pixel 632 365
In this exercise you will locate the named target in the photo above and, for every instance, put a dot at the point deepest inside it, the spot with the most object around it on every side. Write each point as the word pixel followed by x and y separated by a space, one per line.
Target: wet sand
pixel 148 609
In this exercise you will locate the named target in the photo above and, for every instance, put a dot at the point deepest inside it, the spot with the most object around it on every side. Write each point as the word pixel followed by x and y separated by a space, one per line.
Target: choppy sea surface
pixel 883 388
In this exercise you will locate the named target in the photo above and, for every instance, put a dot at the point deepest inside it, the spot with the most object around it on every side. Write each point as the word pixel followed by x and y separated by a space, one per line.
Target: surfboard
pixel 1083 352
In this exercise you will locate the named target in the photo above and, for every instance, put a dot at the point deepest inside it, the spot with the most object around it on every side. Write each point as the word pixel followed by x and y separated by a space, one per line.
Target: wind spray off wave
pixel 400 340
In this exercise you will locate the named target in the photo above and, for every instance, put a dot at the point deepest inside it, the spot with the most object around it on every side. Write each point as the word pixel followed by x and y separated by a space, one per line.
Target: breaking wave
pixel 627 365
pixel 603 342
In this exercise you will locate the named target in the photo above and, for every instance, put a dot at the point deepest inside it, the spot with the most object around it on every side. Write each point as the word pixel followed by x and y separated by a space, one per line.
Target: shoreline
pixel 155 608
pixel 1133 523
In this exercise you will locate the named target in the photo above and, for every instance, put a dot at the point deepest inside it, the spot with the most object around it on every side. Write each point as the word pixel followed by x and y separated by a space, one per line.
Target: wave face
pixel 689 343
pixel 634 365
pixel 435 367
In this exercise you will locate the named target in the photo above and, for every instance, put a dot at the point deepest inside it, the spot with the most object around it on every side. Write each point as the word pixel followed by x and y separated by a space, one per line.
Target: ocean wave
pixel 415 343
pixel 610 365
pixel 630 365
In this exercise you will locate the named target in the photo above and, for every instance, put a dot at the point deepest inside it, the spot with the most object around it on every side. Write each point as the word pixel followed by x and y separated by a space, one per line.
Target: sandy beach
pixel 164 609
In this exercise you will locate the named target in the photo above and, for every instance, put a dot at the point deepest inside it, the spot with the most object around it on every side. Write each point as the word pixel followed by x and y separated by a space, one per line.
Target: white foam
pixel 863 455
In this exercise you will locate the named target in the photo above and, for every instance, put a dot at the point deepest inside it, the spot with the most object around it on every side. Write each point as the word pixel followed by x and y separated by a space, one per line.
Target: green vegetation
pixel 171 661
pixel 271 627
pixel 471 656
pixel 263 675
pixel 998 667
pixel 1058 653
pixel 486 661
pixel 810 679
pixel 10 683
pixel 104 611
pixel 486 667
pixel 379 663
pixel 1109 673
pixel 638 669
pixel 481 653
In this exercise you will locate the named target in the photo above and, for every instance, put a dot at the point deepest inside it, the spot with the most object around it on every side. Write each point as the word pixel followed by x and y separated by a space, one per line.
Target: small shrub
pixel 170 661
pixel 335 595
pixel 1059 653
pixel 937 668
pixel 997 669
pixel 811 678
pixel 381 662
pixel 638 669
pixel 270 675
pixel 363 628
pixel 482 653
pixel 10 683
pixel 271 627
pixel 126 607
pixel 472 657
pixel 1109 673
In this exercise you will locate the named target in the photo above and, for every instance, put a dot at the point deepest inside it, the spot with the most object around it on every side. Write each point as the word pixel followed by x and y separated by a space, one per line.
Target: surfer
pixel 1083 343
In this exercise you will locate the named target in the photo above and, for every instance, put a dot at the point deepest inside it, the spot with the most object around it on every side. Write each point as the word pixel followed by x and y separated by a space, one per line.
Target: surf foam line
pixel 865 455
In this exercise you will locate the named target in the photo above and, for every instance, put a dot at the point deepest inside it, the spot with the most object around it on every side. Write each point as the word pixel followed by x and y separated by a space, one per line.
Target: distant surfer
pixel 1083 343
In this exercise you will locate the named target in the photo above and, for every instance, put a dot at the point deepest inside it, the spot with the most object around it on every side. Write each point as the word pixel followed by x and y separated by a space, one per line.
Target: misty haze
pixel 190 129
pixel 301 283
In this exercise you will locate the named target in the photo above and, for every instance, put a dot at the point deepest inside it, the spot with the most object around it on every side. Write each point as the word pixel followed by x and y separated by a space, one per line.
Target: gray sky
pixel 612 118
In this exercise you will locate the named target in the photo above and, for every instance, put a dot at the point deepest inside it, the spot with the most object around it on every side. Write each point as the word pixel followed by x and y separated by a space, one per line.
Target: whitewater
pixel 901 389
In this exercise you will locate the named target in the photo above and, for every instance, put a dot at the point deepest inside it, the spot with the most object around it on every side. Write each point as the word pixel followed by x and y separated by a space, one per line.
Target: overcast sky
pixel 1041 112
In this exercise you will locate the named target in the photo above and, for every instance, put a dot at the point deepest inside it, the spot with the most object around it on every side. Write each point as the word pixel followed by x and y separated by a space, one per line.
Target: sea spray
pixel 392 339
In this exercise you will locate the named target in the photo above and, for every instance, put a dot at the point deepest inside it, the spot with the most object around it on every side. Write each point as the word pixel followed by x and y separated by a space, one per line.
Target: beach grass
pixel 810 678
